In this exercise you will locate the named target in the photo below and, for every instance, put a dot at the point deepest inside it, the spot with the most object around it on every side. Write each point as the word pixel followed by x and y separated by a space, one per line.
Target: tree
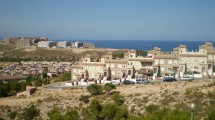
pixel 213 67
pixel 185 71
pixel 133 72
pixel 111 111
pixel 141 52
pixel 211 115
pixel 45 75
pixel 84 98
pixel 92 112
pixel 12 115
pixel 66 76
pixel 30 113
pixel 108 111
pixel 151 108
pixel 54 114
pixel 109 86
pixel 72 114
pixel 159 71
pixel 94 89
pixel 121 113
pixel 118 99
pixel 86 74
pixel 109 74
pixel 38 82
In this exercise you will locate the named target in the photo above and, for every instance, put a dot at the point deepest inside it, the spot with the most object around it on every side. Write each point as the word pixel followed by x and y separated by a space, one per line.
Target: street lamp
pixel 192 108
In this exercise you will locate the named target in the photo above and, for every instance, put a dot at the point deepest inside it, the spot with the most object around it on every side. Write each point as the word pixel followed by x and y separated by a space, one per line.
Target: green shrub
pixel 12 115
pixel 118 99
pixel 94 89
pixel 113 112
pixel 84 98
pixel 38 82
pixel 109 86
pixel 30 113
pixel 72 114
pixel 55 114
pixel 211 115
pixel 92 112
pixel 151 108
pixel 167 100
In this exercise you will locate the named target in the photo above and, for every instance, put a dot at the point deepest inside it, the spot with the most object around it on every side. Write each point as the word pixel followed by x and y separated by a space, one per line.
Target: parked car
pixel 186 78
pixel 142 81
pixel 127 82
pixel 115 82
pixel 169 79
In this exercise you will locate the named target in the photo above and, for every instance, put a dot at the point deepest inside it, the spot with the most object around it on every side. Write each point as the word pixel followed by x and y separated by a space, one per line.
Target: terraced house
pixel 176 63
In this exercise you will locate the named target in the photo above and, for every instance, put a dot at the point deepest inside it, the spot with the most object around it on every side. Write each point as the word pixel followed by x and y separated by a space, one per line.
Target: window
pixel 162 68
pixel 119 65
pixel 136 64
pixel 107 66
pixel 195 67
pixel 155 70
pixel 169 61
pixel 169 69
pixel 112 66
pixel 156 61
pixel 161 61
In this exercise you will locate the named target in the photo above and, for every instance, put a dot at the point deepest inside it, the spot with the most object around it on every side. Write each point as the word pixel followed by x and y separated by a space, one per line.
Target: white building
pixel 79 44
pixel 62 44
pixel 46 44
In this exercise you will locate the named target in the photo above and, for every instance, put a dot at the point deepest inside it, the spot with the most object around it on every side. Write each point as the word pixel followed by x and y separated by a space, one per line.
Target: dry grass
pixel 172 95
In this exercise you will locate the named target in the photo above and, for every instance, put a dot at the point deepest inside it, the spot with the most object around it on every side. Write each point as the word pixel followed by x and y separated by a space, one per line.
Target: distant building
pixel 12 40
pixel 46 44
pixel 79 44
pixel 63 44
pixel 23 43
pixel 35 40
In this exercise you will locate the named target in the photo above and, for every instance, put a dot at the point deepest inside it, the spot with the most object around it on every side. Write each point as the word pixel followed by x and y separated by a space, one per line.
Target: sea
pixel 165 45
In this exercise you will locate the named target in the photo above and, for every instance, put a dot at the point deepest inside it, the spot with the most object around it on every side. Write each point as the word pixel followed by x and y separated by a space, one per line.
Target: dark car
pixel 169 79
pixel 126 82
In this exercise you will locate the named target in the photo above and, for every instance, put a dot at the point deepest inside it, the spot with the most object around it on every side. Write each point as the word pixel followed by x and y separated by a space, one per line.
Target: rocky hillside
pixel 139 99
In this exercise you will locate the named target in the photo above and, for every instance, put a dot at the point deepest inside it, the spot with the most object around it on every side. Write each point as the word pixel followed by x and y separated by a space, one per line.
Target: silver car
pixel 142 81
pixel 186 78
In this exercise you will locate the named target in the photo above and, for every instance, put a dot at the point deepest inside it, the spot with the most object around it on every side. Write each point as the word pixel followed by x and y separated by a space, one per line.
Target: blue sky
pixel 109 19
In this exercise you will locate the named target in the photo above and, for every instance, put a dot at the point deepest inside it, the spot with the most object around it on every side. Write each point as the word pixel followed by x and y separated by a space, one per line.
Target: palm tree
pixel 133 73
pixel 185 71
pixel 159 71
pixel 86 74
pixel 109 74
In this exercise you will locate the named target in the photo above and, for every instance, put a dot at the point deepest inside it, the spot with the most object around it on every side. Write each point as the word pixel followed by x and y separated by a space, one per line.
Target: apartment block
pixel 175 63
pixel 46 44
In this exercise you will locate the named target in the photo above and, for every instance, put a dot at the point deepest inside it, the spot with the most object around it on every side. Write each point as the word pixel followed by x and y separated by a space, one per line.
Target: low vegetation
pixel 94 89
pixel 30 113
pixel 108 87
pixel 125 102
